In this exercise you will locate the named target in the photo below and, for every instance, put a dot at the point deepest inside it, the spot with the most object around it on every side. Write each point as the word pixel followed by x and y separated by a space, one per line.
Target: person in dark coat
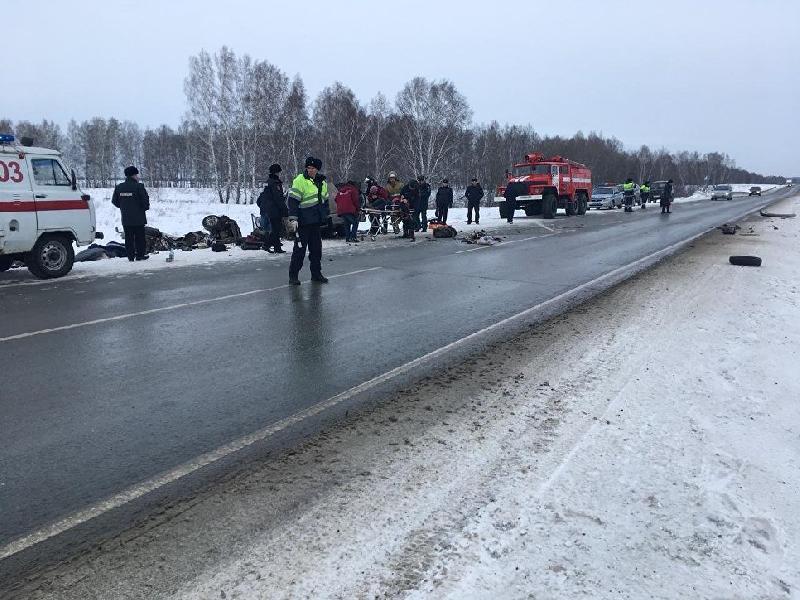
pixel 409 208
pixel 132 200
pixel 421 216
pixel 272 204
pixel 444 200
pixel 474 194
pixel 666 197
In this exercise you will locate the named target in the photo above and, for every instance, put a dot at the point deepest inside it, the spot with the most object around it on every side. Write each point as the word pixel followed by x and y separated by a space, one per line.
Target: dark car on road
pixel 755 191
pixel 656 189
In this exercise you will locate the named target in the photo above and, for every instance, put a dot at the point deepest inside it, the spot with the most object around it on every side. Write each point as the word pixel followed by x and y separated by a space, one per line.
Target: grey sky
pixel 700 75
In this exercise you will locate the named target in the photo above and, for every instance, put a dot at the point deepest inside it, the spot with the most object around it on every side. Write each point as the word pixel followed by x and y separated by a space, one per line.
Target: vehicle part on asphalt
pixel 746 261
pixel 729 229
pixel 764 213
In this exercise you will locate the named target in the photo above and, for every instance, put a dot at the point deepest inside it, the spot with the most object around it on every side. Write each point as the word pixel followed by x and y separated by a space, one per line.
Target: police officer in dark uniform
pixel 132 200
pixel 474 195
pixel 421 215
pixel 272 203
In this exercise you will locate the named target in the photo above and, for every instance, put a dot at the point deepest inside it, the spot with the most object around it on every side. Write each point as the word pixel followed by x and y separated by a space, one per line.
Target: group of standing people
pixel 629 190
pixel 301 211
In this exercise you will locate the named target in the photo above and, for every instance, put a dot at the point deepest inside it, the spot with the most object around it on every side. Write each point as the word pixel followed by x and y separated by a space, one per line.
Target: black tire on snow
pixel 530 211
pixel 583 204
pixel 5 263
pixel 549 206
pixel 571 208
pixel 746 261
pixel 52 256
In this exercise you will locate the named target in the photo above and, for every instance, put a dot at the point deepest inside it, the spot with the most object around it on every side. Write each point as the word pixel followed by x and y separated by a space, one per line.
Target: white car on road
pixel 722 191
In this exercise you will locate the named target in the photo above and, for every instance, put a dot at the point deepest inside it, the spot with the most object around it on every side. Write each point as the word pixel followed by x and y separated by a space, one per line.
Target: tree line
pixel 244 114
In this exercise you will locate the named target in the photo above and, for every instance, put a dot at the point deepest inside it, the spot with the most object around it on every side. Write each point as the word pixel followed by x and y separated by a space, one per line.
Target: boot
pixel 320 278
pixel 293 280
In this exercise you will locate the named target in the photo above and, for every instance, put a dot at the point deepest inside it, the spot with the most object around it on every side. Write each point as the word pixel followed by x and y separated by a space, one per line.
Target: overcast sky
pixel 699 75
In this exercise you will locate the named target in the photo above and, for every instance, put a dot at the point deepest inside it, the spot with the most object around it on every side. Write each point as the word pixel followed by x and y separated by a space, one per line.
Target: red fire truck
pixel 540 186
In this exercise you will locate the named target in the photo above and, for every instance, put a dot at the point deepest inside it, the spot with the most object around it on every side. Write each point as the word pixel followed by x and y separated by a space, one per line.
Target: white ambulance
pixel 42 211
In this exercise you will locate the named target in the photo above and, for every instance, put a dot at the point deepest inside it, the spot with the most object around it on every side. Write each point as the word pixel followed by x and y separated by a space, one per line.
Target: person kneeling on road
pixel 132 200
pixel 308 210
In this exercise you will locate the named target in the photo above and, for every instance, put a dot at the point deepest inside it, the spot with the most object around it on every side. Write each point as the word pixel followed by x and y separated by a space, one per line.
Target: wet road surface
pixel 110 381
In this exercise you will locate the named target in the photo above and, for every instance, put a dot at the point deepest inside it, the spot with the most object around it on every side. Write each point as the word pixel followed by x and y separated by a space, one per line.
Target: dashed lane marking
pixel 161 309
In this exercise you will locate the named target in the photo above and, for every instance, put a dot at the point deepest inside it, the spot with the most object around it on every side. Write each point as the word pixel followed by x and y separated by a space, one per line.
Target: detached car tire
pixel 52 256
pixel 745 261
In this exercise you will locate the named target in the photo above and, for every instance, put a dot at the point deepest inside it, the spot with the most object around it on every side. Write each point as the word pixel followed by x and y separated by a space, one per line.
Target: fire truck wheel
pixel 583 204
pixel 5 263
pixel 52 256
pixel 549 206
pixel 571 208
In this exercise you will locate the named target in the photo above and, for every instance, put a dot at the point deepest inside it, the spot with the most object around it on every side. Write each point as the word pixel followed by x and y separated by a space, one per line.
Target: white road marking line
pixel 151 311
pixel 145 487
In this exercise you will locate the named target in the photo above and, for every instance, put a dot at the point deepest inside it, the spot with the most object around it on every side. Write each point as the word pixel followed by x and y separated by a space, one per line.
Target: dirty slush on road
pixel 643 445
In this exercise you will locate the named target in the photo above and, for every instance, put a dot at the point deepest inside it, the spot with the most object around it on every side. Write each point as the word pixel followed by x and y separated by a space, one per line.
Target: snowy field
pixel 663 463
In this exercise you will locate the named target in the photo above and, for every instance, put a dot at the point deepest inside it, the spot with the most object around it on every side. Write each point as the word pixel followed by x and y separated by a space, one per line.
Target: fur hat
pixel 274 168
pixel 131 171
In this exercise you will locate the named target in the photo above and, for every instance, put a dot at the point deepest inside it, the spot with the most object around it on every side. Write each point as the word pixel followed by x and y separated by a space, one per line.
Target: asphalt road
pixel 183 361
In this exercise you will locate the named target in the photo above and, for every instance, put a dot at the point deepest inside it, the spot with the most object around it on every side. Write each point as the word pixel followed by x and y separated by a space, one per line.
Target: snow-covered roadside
pixel 662 463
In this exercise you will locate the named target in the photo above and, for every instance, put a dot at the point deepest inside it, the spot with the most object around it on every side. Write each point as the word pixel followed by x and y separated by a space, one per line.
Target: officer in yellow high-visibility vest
pixel 629 191
pixel 308 211
pixel 644 193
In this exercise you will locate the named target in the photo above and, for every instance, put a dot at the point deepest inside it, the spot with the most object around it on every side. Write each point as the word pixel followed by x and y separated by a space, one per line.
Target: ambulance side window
pixel 47 171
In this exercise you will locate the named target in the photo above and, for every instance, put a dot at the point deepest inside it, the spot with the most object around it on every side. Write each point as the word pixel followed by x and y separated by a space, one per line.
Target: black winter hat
pixel 310 161
pixel 445 180
pixel 317 164
pixel 274 168
pixel 421 177
pixel 131 171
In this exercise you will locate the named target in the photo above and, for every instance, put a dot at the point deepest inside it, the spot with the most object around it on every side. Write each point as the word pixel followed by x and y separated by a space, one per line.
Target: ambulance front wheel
pixel 52 256
pixel 5 263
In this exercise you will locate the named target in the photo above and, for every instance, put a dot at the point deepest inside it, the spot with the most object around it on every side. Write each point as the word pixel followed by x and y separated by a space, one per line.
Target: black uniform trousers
pixel 276 229
pixel 441 213
pixel 307 237
pixel 135 246
pixel 476 206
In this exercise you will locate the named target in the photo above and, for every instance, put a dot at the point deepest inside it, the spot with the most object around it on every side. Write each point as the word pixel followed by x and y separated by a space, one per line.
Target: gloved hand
pixel 291 226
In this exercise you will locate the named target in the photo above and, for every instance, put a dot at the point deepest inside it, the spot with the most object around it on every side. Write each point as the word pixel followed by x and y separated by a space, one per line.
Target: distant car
pixel 656 190
pixel 722 191
pixel 755 191
pixel 606 196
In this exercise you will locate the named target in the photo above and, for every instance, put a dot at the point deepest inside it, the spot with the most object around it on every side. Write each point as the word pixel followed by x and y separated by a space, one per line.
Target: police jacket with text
pixel 132 200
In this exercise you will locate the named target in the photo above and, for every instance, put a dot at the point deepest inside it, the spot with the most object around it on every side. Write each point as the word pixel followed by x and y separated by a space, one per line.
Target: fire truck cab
pixel 42 211
pixel 540 186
